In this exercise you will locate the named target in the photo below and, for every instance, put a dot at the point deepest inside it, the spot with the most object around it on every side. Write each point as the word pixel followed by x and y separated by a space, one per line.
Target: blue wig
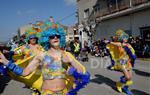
pixel 44 39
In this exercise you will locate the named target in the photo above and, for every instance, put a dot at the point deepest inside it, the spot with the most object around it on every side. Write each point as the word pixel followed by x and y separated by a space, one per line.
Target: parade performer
pixel 123 59
pixel 31 48
pixel 22 56
pixel 54 65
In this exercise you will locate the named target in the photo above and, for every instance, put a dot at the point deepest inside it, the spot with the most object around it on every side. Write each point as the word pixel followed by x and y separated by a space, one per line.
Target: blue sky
pixel 17 13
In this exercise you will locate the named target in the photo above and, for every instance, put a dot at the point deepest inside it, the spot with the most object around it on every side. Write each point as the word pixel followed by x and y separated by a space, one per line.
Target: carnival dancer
pixel 123 59
pixel 27 52
pixel 53 65
pixel 31 48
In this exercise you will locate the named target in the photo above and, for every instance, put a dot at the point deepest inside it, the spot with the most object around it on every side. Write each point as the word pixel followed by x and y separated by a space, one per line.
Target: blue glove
pixel 15 68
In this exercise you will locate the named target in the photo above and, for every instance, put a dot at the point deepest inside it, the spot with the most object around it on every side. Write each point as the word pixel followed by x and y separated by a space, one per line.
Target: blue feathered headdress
pixel 121 35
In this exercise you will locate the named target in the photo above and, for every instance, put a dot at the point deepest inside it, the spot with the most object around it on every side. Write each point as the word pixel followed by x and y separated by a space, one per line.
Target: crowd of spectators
pixel 141 47
pixel 97 48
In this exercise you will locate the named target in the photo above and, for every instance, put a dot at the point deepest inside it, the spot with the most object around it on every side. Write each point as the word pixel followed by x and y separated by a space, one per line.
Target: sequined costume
pixel 52 68
pixel 122 57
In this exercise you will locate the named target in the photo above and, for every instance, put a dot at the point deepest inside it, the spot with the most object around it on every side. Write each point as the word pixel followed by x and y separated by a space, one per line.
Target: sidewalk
pixel 144 59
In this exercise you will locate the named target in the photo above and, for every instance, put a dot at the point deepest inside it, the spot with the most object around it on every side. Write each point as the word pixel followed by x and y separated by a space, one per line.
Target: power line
pixel 66 17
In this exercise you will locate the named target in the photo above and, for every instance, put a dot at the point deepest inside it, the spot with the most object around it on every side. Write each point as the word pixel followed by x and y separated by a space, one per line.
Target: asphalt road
pixel 102 80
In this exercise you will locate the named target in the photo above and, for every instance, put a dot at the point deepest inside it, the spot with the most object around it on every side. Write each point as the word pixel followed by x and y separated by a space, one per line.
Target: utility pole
pixel 77 15
pixel 130 3
pixel 117 5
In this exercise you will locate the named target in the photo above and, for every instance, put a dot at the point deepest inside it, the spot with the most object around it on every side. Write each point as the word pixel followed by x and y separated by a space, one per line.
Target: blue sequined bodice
pixel 52 68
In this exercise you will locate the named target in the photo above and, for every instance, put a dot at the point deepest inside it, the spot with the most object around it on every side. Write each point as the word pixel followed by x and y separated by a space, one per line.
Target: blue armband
pixel 112 60
pixel 123 79
pixel 133 56
pixel 15 68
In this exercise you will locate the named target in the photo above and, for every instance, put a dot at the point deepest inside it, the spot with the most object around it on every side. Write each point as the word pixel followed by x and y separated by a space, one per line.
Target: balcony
pixel 114 8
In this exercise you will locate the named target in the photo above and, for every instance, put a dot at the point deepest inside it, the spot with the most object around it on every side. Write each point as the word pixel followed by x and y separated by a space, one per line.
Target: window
pixel 86 13
pixel 96 8
pixel 145 33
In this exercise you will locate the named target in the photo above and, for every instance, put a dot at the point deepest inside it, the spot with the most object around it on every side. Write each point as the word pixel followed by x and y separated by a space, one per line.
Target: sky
pixel 17 13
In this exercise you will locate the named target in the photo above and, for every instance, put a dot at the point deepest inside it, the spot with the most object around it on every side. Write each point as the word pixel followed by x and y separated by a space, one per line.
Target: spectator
pixel 77 48
pixel 146 51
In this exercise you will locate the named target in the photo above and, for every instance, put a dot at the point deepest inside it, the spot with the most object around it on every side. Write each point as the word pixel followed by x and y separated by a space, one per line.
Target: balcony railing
pixel 119 6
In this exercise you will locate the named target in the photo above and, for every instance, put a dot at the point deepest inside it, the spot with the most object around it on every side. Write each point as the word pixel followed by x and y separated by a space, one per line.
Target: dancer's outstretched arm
pixel 19 70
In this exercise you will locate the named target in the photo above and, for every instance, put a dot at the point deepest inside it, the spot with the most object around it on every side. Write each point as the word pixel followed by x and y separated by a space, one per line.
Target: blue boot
pixel 126 90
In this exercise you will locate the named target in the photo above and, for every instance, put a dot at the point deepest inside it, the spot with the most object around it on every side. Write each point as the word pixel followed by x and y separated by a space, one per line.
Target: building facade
pixel 85 7
pixel 110 15
pixel 72 33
